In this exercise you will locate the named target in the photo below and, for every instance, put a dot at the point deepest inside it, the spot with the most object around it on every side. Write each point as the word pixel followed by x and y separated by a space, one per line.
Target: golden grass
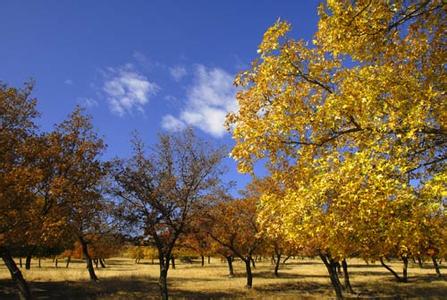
pixel 299 279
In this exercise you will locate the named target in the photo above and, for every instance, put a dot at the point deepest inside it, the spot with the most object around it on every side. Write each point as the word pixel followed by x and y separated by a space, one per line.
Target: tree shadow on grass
pixel 109 288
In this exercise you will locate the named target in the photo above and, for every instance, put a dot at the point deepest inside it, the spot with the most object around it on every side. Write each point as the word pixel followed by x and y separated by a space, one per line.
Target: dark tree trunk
pixel 55 262
pixel 16 275
pixel 286 259
pixel 391 270
pixel 248 260
pixel 230 266
pixel 420 262
pixel 435 264
pixel 173 262
pixel 253 262
pixel 96 263
pixel 203 260
pixel 20 262
pixel 331 269
pixel 405 269
pixel 209 259
pixel 88 259
pixel 277 263
pixel 40 266
pixel 102 263
pixel 348 286
pixel 29 257
pixel 164 262
pixel 68 261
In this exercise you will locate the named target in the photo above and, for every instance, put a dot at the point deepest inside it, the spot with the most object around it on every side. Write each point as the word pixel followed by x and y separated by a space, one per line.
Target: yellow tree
pixel 353 125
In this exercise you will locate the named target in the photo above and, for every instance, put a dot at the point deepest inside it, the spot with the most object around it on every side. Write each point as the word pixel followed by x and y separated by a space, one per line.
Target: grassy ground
pixel 299 279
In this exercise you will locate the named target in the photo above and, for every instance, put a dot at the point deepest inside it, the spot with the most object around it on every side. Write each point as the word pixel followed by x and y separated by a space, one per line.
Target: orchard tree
pixel 18 174
pixel 81 188
pixel 353 126
pixel 232 224
pixel 163 192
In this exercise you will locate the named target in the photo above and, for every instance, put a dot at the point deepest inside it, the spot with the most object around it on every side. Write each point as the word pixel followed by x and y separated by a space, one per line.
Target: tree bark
pixel 29 257
pixel 164 262
pixel 348 286
pixel 248 260
pixel 203 260
pixel 102 263
pixel 96 263
pixel 420 262
pixel 209 259
pixel 68 261
pixel 435 264
pixel 286 259
pixel 230 265
pixel 331 269
pixel 40 266
pixel 88 260
pixel 55 262
pixel 173 262
pixel 16 275
pixel 398 278
pixel 405 269
pixel 20 262
pixel 253 262
pixel 277 263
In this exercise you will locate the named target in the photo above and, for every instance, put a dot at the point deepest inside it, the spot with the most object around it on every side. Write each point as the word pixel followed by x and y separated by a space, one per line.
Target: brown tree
pixel 163 192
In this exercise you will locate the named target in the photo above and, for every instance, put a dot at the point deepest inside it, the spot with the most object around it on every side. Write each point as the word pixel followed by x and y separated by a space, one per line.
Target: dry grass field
pixel 299 279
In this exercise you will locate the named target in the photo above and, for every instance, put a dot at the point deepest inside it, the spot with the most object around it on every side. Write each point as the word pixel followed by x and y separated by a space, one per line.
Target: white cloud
pixel 208 100
pixel 178 72
pixel 68 81
pixel 127 90
pixel 171 123
pixel 88 102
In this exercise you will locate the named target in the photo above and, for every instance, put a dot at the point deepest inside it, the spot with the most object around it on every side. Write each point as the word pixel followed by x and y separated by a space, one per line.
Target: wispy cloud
pixel 178 72
pixel 87 102
pixel 171 123
pixel 68 82
pixel 127 90
pixel 208 100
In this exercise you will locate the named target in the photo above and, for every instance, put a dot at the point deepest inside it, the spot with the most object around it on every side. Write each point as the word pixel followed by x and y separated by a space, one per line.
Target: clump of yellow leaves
pixel 354 128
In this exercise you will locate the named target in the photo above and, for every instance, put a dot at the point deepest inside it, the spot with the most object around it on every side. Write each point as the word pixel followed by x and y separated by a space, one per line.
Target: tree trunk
pixel 253 262
pixel 40 266
pixel 20 262
pixel 209 259
pixel 102 263
pixel 405 269
pixel 29 257
pixel 286 259
pixel 55 262
pixel 96 263
pixel 173 262
pixel 16 275
pixel 420 262
pixel 203 260
pixel 164 262
pixel 348 286
pixel 435 264
pixel 331 269
pixel 277 263
pixel 68 261
pixel 230 266
pixel 88 260
pixel 248 260
pixel 391 270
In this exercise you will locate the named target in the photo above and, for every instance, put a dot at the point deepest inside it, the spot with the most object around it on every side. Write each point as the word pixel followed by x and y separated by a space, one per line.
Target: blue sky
pixel 140 65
